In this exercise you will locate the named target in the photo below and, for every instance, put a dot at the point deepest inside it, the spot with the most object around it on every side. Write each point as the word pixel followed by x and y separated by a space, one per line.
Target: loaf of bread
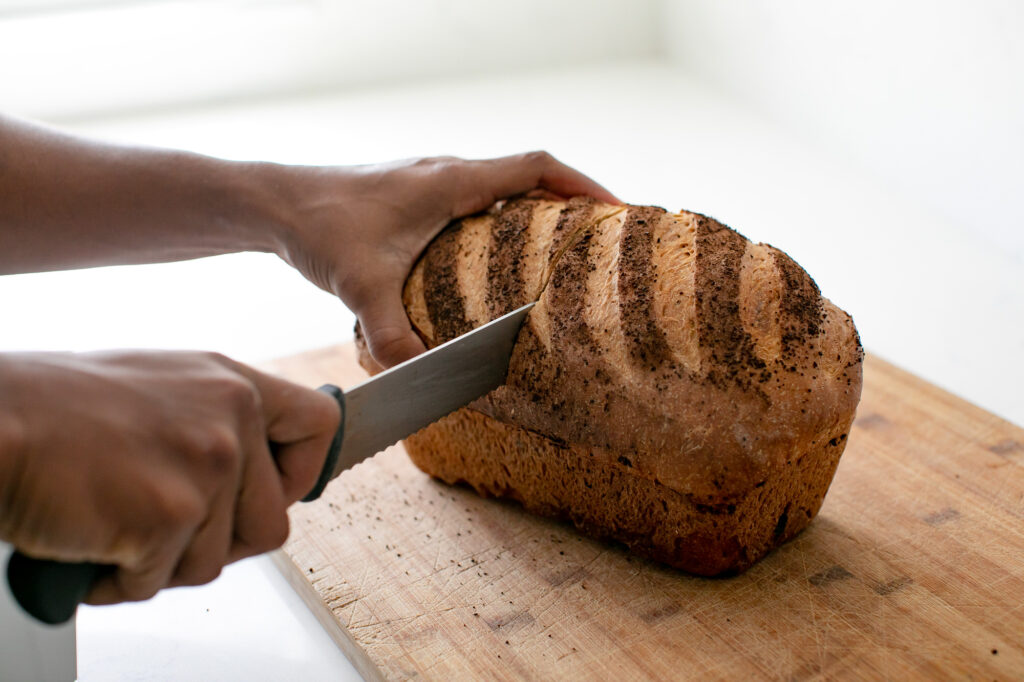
pixel 677 388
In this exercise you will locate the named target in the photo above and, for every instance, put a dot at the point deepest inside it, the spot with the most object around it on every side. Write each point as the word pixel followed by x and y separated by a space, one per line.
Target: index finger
pixel 489 180
pixel 300 422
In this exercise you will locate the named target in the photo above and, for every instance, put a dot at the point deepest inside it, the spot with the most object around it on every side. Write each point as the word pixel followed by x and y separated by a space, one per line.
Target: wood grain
pixel 914 568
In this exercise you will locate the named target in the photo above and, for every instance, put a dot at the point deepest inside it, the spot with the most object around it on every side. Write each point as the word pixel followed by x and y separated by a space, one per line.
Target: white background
pixel 880 146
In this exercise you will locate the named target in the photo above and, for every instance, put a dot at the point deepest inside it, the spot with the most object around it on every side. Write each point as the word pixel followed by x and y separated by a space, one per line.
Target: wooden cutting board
pixel 914 568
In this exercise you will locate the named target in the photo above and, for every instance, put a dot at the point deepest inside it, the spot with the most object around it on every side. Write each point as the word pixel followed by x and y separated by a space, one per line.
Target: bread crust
pixel 673 366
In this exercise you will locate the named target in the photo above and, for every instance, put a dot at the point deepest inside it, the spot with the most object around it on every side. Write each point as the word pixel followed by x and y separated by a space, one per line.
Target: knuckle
pixel 212 356
pixel 539 157
pixel 437 161
pixel 230 385
pixel 131 545
pixel 223 450
pixel 241 394
pixel 388 349
pixel 143 581
pixel 174 510
pixel 215 449
pixel 384 335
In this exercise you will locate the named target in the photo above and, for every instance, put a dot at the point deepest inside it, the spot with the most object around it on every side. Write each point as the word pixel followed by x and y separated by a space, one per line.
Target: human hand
pixel 157 463
pixel 357 232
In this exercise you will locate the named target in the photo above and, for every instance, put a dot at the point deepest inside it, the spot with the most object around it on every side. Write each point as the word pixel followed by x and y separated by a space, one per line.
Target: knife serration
pixel 402 400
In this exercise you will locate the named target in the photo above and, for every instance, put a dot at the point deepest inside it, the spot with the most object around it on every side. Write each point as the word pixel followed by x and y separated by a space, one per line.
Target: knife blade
pixel 374 415
pixel 402 400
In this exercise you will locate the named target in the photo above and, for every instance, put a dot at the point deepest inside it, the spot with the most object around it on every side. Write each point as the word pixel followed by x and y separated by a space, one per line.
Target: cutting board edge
pixel 356 655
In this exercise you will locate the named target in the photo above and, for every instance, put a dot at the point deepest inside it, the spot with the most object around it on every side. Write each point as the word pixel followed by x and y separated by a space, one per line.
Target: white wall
pixel 927 95
pixel 174 52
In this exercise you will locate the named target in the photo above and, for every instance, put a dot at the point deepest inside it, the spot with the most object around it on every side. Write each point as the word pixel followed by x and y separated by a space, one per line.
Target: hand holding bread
pixel 357 231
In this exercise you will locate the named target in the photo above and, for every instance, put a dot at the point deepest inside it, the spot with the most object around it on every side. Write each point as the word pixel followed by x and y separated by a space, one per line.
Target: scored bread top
pixel 668 343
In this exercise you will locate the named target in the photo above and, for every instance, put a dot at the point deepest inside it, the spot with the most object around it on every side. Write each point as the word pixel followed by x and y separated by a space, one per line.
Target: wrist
pixel 292 203
pixel 249 204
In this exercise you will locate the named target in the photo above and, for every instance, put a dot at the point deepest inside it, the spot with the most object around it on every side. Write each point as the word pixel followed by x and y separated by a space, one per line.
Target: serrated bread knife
pixel 374 415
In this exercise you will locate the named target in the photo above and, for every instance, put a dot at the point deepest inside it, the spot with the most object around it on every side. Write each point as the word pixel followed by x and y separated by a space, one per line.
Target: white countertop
pixel 925 294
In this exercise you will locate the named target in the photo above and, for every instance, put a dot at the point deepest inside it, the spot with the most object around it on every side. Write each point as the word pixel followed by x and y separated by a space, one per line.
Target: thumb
pixel 389 333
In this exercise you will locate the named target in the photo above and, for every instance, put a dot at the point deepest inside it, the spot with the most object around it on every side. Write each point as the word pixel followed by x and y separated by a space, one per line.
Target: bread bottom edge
pixel 608 502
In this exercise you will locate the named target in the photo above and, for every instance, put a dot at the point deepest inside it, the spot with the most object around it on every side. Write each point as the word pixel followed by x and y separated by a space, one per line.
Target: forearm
pixel 66 202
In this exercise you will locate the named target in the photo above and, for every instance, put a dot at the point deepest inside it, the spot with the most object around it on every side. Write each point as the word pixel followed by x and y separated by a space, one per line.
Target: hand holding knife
pixel 375 414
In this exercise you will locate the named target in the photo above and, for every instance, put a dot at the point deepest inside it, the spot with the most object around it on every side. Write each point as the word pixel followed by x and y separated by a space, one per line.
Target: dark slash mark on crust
pixel 568 282
pixel 571 218
pixel 505 285
pixel 801 305
pixel 645 339
pixel 717 291
pixel 445 304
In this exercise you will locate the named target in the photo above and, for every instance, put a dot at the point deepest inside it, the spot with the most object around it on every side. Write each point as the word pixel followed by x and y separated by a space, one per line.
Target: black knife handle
pixel 50 591
pixel 333 451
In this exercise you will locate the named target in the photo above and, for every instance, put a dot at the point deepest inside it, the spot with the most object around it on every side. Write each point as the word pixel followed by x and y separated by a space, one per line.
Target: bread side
pixel 604 498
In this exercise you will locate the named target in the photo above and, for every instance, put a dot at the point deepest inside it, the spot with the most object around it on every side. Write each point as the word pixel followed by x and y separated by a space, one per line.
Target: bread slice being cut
pixel 676 388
